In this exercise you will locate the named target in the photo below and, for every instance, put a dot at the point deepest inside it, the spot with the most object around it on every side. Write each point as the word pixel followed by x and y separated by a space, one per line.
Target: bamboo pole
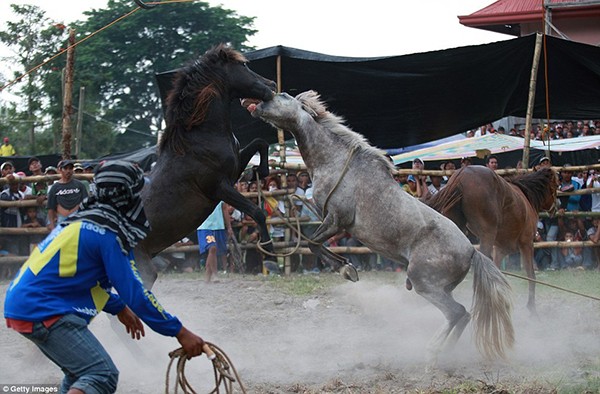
pixel 531 99
pixel 68 98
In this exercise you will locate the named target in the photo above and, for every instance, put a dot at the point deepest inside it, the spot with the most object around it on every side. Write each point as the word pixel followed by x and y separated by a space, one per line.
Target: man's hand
pixel 132 323
pixel 192 344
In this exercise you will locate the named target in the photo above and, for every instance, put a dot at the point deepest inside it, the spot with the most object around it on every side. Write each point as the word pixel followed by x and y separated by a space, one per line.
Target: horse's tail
pixel 446 199
pixel 492 306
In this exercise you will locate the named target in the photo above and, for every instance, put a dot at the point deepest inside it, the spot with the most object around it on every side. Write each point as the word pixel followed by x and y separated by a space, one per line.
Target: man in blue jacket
pixel 68 278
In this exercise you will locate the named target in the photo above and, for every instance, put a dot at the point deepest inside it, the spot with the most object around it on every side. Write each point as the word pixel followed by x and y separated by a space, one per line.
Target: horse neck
pixel 318 147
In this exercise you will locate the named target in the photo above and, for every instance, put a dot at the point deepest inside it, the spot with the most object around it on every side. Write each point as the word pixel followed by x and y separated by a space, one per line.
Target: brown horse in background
pixel 502 213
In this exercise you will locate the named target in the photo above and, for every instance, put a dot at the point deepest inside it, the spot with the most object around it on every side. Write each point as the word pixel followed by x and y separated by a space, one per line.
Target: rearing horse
pixel 502 213
pixel 355 191
pixel 199 157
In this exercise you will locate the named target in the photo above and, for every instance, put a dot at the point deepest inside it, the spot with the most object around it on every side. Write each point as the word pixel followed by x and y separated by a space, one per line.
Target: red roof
pixel 504 16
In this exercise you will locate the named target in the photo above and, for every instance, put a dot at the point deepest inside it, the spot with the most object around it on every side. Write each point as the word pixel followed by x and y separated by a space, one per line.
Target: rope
pixel 550 285
pixel 224 372
pixel 344 170
pixel 297 230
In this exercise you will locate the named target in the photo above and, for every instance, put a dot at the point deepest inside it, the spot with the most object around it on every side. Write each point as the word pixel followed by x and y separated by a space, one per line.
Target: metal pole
pixel 531 100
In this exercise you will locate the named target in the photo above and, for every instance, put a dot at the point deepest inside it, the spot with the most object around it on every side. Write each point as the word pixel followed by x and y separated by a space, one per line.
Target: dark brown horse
pixel 199 157
pixel 502 213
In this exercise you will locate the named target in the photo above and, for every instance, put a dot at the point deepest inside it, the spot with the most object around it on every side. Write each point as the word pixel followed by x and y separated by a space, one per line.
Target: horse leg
pixel 225 192
pixel 456 316
pixel 262 147
pixel 526 251
pixel 328 228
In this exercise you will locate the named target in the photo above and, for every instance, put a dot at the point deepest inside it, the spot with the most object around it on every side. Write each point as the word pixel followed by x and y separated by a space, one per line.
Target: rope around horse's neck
pixel 550 285
pixel 344 170
pixel 221 365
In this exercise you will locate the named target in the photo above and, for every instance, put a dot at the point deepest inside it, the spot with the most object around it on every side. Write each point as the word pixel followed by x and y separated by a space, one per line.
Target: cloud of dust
pixel 356 329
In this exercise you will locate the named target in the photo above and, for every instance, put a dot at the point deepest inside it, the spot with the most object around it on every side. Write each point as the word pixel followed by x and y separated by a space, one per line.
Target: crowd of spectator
pixel 55 200
pixel 557 130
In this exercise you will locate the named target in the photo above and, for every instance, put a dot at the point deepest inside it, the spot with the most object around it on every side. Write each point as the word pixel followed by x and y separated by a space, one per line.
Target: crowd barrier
pixel 27 237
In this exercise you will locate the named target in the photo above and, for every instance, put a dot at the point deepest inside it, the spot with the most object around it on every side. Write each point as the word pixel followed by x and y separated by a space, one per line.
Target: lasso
pixel 224 372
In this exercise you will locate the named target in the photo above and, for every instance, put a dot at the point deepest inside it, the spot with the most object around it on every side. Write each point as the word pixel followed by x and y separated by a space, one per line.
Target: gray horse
pixel 354 189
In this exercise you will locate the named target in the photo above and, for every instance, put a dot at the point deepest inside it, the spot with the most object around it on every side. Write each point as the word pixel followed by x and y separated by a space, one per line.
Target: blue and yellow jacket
pixel 73 271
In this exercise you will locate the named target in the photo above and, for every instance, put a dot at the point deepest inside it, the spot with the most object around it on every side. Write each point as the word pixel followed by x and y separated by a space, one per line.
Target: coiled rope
pixel 225 373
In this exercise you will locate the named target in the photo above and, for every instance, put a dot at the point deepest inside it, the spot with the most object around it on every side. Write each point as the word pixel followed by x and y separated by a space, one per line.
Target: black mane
pixel 536 185
pixel 194 87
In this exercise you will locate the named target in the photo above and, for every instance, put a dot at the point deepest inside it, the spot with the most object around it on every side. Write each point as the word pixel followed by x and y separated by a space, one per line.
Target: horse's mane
pixel 312 103
pixel 194 87
pixel 536 185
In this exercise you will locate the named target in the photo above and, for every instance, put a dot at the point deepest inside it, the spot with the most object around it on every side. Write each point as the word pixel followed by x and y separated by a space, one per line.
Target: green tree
pixel 31 39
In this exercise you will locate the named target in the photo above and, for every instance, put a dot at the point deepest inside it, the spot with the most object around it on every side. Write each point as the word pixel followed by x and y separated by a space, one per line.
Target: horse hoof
pixel 349 272
pixel 408 284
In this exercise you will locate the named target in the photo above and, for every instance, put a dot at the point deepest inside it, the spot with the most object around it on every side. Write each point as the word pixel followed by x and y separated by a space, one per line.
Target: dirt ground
pixel 364 337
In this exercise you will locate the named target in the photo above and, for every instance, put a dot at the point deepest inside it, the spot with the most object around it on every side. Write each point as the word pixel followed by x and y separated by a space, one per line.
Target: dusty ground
pixel 365 337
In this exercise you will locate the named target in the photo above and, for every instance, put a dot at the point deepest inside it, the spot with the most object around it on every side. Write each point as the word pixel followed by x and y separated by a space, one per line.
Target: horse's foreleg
pixel 262 147
pixel 228 194
pixel 328 228
pixel 526 251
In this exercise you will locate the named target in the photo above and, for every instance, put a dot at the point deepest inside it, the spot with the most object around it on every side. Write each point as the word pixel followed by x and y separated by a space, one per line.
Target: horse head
pixel 205 88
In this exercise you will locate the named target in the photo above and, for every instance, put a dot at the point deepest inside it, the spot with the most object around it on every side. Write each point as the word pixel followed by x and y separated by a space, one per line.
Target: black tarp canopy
pixel 400 101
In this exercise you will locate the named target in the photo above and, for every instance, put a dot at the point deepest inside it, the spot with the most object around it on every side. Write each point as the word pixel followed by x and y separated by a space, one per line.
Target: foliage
pixel 122 109
pixel 31 39
pixel 117 67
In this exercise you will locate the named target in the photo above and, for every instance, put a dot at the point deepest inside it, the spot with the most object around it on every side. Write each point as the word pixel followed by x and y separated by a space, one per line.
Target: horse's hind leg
pixel 526 251
pixel 456 316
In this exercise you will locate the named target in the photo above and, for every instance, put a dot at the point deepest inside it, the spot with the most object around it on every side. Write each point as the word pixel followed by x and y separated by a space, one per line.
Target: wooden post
pixel 531 100
pixel 68 98
pixel 78 131
pixel 287 266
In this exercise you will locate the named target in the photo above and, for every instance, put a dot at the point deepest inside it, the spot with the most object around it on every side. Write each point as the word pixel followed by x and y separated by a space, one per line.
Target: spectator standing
pixel 8 171
pixel 492 163
pixel 274 208
pixel 420 180
pixel 252 257
pixel 572 256
pixel 292 184
pixel 436 184
pixel 65 195
pixel 39 190
pixel 567 203
pixel 465 161
pixel 79 170
pixel 448 166
pixel 304 181
pixel 33 219
pixel 11 216
pixel 212 239
pixel 7 149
